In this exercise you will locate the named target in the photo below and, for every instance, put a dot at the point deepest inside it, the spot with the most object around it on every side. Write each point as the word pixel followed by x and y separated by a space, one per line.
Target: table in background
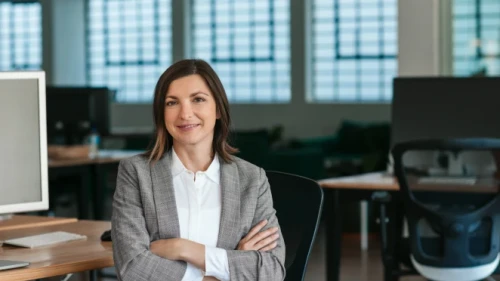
pixel 91 172
pixel 351 188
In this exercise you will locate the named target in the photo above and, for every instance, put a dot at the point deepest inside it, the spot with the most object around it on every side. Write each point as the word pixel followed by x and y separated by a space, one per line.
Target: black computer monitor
pixel 77 109
pixel 445 107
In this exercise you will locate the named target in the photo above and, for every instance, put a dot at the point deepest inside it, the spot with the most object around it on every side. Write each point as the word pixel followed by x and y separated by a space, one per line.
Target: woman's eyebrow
pixel 199 92
pixel 191 95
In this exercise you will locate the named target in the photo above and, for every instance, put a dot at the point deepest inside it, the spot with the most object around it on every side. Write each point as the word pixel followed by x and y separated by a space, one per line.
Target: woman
pixel 188 209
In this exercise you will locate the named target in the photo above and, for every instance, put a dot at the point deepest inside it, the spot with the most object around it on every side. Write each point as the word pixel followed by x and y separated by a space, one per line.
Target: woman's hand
pixel 167 248
pixel 260 241
pixel 176 249
pixel 210 278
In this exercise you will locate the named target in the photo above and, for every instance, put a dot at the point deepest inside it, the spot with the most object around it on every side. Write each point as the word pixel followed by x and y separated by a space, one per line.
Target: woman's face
pixel 190 112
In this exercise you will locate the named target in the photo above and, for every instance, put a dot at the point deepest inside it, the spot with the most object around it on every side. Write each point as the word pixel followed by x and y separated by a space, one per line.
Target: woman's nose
pixel 186 111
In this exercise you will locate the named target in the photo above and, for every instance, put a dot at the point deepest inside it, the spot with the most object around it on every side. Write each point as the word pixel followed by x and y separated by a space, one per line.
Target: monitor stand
pixel 455 165
pixel 5 217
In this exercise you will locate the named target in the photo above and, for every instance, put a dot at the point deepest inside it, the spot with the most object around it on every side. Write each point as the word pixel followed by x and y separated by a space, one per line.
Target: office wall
pixel 424 37
pixel 64 55
pixel 420 53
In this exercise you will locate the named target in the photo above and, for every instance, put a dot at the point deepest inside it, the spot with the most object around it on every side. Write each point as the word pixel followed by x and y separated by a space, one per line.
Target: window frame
pixel 12 35
pixel 215 60
pixel 125 65
pixel 358 58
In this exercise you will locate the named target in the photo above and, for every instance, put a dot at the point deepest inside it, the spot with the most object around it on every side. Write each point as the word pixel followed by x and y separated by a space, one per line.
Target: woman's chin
pixel 190 141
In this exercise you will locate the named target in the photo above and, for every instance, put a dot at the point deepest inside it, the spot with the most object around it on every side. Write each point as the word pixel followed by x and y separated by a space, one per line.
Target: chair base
pixel 456 274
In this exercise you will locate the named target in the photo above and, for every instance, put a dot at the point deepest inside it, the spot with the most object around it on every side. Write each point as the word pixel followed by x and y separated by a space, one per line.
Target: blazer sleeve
pixel 256 265
pixel 132 256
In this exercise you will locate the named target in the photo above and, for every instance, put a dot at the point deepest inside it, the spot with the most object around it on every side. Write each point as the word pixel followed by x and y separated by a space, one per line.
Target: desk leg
pixel 333 236
pixel 100 188
pixel 92 275
pixel 363 210
pixel 97 189
pixel 83 193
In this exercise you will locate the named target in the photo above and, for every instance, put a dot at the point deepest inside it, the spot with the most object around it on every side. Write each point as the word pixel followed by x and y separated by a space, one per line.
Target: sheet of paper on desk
pixel 4 264
pixel 105 153
pixel 46 239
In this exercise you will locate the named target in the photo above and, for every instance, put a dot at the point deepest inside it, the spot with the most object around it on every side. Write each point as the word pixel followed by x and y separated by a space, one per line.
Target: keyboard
pixel 448 180
pixel 45 239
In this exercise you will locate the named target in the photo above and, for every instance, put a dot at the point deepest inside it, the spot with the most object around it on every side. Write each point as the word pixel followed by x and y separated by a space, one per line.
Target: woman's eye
pixel 170 103
pixel 199 99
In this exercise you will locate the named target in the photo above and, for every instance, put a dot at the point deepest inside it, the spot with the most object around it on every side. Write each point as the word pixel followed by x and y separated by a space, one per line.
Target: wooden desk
pixel 381 181
pixel 105 156
pixel 61 259
pixel 352 188
pixel 23 222
pixel 371 181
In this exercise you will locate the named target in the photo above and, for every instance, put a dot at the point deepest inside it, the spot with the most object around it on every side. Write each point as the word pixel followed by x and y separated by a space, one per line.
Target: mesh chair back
pixel 298 202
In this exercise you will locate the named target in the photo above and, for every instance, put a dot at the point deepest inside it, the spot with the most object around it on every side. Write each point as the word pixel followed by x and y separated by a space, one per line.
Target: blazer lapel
pixel 164 197
pixel 230 213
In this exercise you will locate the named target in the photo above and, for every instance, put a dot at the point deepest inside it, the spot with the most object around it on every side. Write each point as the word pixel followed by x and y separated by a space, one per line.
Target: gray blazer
pixel 144 210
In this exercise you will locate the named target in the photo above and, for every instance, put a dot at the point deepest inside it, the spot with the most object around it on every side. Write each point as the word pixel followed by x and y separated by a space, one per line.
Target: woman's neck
pixel 194 158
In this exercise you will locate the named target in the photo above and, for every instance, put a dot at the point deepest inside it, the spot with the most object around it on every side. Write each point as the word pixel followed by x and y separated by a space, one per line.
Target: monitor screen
pixel 23 146
pixel 76 110
pixel 445 107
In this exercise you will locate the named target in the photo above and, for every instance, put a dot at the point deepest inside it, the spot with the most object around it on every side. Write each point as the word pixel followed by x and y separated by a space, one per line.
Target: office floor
pixel 356 265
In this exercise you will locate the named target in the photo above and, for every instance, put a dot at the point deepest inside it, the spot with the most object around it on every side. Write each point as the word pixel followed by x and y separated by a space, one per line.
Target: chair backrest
pixel 452 204
pixel 298 202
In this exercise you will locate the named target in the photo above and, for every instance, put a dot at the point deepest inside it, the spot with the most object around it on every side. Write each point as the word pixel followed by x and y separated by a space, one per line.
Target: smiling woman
pixel 188 209
pixel 180 88
pixel 190 113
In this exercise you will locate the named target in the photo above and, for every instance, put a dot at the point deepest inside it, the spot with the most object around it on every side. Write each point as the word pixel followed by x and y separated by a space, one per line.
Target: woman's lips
pixel 188 127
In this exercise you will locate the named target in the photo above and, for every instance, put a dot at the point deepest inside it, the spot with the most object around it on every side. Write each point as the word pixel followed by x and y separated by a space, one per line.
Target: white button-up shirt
pixel 198 199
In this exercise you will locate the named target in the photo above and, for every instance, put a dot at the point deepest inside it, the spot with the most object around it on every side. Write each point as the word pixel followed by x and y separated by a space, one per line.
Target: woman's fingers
pixel 267 241
pixel 269 247
pixel 259 240
pixel 264 234
pixel 247 243
pixel 255 230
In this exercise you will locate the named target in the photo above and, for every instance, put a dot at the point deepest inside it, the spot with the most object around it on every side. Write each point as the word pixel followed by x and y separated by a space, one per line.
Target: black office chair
pixel 298 202
pixel 450 197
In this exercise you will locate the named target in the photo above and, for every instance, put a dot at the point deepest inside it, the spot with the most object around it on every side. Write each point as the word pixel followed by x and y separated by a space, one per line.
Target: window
pixel 129 46
pixel 20 35
pixel 247 43
pixel 476 46
pixel 354 50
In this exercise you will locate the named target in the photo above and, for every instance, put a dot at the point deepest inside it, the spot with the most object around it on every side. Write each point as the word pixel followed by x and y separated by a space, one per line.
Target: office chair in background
pixel 453 217
pixel 298 202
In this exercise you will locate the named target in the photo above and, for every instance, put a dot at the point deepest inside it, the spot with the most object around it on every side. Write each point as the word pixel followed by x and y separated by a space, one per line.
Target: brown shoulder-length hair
pixel 163 140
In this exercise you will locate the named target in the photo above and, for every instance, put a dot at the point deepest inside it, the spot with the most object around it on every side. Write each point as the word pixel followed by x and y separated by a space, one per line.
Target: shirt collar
pixel 177 166
pixel 212 172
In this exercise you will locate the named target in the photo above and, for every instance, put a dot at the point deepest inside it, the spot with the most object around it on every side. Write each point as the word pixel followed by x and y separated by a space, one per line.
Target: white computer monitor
pixel 23 142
